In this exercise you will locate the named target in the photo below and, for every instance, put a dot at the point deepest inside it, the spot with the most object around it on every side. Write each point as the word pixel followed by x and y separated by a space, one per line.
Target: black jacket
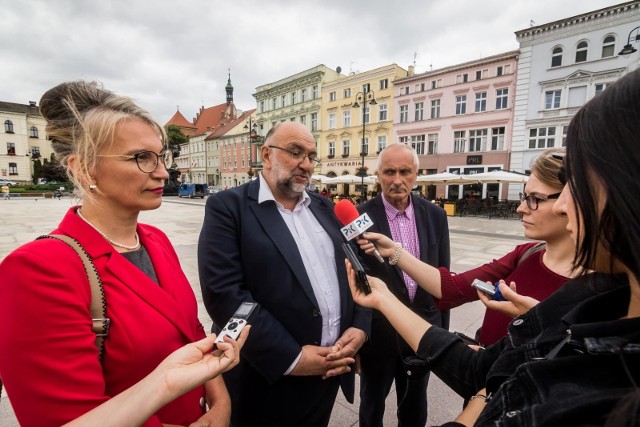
pixel 247 253
pixel 568 361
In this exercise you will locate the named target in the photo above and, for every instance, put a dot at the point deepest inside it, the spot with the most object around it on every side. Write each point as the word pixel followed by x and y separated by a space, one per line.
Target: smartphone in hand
pixel 489 289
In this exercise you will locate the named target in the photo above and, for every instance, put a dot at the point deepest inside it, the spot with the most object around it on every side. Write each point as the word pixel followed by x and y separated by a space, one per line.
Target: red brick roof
pixel 226 125
pixel 179 120
pixel 206 120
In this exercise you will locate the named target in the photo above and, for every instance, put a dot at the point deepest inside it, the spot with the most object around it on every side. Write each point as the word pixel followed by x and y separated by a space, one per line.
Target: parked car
pixel 193 190
pixel 7 182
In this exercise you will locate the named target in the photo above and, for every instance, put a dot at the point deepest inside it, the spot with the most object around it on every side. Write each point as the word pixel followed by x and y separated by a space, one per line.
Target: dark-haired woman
pixel 574 357
pixel 115 153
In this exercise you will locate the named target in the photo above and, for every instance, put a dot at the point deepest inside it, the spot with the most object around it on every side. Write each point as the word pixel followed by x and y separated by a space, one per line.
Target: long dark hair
pixel 603 146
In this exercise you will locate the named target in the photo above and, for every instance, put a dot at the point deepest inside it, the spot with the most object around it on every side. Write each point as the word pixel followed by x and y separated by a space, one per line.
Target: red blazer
pixel 48 359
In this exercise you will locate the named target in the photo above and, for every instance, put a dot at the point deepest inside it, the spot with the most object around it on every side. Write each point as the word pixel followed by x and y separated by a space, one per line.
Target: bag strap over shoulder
pixel 532 250
pixel 98 303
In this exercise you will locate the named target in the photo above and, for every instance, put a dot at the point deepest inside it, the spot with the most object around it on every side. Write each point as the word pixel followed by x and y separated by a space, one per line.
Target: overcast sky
pixel 176 53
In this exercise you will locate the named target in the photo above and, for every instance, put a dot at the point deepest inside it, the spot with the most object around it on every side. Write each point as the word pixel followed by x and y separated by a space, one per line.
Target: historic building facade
pixel 296 98
pixel 230 151
pixel 562 65
pixel 348 103
pixel 197 160
pixel 23 141
pixel 459 119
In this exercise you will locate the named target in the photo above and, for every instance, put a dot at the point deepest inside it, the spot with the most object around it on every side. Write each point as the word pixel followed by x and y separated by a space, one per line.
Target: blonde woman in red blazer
pixel 113 151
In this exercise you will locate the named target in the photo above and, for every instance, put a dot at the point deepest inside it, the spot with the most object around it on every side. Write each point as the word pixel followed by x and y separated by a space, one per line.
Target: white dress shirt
pixel 317 253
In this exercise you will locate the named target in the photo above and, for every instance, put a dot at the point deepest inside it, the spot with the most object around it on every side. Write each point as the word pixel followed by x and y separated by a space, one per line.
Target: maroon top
pixel 532 279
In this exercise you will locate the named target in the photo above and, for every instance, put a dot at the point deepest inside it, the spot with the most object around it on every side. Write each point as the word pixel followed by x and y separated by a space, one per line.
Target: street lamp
pixel 628 49
pixel 362 99
pixel 254 138
pixel 35 172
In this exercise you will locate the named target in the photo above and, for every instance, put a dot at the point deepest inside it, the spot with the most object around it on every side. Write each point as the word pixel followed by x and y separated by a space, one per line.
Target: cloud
pixel 165 53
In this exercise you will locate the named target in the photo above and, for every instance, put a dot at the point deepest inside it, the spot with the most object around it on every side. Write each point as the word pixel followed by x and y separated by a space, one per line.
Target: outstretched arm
pixel 425 275
pixel 181 371
pixel 408 324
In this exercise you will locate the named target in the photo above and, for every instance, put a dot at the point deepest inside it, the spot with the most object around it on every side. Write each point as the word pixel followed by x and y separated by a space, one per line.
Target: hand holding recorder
pixel 379 295
pixel 237 323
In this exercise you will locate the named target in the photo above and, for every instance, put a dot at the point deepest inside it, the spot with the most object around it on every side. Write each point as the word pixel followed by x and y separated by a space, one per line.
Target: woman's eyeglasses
pixel 534 200
pixel 147 161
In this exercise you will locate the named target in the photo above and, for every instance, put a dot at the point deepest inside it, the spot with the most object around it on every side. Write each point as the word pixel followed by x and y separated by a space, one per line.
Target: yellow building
pixel 296 98
pixel 345 144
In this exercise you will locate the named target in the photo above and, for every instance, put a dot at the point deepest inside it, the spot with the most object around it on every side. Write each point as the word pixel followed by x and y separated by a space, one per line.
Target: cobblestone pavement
pixel 474 241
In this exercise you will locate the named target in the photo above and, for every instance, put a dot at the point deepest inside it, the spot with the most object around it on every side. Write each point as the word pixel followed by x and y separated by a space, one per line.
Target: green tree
pixel 175 138
pixel 53 170
pixel 37 170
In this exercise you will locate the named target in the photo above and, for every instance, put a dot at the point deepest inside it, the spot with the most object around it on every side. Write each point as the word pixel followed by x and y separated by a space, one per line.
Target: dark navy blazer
pixel 246 253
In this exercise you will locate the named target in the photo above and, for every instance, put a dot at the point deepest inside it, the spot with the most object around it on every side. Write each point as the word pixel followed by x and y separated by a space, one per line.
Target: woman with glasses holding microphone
pixel 538 269
pixel 54 372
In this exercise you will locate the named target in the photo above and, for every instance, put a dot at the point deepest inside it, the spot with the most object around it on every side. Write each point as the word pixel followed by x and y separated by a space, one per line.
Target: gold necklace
pixel 113 242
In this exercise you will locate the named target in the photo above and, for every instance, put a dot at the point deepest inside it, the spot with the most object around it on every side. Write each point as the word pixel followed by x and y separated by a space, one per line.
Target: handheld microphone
pixel 354 224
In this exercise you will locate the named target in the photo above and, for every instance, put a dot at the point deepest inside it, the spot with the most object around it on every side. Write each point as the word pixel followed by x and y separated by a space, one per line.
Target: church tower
pixel 229 89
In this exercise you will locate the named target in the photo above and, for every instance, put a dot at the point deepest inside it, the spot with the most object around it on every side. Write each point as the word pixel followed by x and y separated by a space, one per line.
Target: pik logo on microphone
pixel 356 227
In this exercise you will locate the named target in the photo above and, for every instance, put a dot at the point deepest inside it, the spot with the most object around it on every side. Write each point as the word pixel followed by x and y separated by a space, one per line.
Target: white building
pixel 562 65
pixel 23 140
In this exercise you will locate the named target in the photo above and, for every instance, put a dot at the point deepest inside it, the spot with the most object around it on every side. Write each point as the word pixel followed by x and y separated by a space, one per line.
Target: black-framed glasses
pixel 300 155
pixel 533 200
pixel 147 161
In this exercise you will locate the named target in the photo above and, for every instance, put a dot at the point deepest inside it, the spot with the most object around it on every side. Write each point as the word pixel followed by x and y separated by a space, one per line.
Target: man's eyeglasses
pixel 534 200
pixel 300 155
pixel 147 161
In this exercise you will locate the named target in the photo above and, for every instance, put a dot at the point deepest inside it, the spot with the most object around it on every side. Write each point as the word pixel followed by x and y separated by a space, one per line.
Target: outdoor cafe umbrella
pixel 316 179
pixel 348 179
pixel 446 178
pixel 499 176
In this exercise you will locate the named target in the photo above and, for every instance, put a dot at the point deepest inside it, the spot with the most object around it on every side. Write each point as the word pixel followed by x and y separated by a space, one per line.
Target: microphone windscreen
pixel 346 211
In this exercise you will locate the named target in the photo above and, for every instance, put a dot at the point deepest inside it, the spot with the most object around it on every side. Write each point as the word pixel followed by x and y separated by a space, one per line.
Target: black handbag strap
pixel 98 302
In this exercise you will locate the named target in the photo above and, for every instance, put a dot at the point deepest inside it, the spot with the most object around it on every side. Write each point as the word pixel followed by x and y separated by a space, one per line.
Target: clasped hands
pixel 331 361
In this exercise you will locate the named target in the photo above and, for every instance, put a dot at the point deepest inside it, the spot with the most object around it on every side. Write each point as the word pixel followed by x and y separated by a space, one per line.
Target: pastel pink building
pixel 459 119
